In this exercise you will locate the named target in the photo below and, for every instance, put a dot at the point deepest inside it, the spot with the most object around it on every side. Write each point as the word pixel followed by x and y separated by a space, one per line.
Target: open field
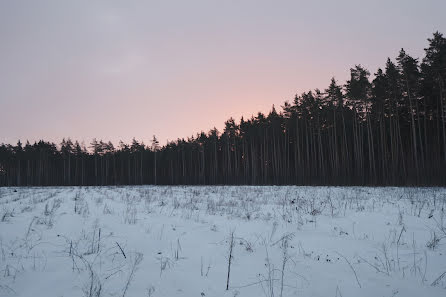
pixel 176 241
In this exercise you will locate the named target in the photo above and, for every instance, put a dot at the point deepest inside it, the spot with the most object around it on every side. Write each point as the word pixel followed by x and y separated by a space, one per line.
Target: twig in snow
pixel 435 282
pixel 349 264
pixel 136 261
pixel 122 251
pixel 231 246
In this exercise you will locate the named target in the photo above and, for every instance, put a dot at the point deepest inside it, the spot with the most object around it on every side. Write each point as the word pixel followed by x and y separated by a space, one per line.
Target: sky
pixel 118 70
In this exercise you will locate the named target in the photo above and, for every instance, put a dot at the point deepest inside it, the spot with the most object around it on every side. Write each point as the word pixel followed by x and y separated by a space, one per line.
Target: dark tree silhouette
pixel 387 131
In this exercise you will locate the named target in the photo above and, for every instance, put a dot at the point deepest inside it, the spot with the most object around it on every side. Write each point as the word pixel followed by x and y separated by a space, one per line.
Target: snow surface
pixel 174 241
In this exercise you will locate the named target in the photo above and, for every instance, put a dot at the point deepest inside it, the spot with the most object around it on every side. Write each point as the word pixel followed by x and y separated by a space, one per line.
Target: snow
pixel 174 241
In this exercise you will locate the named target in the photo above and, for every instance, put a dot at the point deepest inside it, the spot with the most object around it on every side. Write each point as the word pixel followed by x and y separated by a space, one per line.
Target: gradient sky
pixel 122 69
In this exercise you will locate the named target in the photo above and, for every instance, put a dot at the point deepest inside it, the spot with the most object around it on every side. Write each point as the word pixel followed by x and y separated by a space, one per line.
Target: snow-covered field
pixel 176 241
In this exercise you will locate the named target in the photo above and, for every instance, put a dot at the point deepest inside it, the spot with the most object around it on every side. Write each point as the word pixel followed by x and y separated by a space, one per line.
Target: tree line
pixel 388 129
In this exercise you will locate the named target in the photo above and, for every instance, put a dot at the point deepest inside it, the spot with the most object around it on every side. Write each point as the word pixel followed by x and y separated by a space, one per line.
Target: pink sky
pixel 118 70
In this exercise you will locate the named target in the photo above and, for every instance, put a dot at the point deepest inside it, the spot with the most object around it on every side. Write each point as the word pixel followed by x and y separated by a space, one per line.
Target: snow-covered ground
pixel 175 241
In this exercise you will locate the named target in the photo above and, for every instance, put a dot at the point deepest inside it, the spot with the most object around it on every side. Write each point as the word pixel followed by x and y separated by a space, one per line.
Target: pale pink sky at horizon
pixel 117 70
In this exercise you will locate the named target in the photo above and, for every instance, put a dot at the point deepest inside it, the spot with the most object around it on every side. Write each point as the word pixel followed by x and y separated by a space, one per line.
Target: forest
pixel 381 129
